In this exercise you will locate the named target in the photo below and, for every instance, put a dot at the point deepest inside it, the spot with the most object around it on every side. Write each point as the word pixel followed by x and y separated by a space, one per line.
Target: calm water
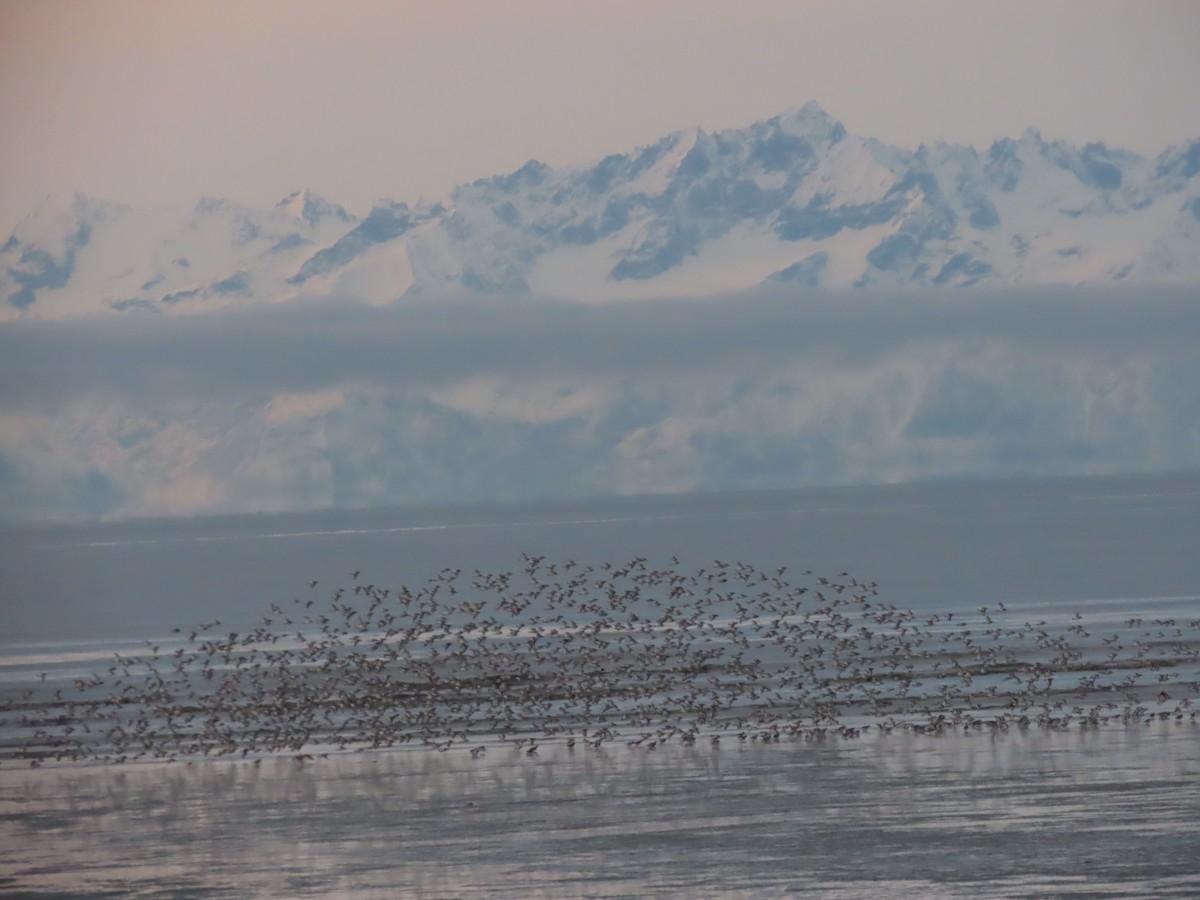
pixel 1042 814
pixel 1053 543
pixel 1106 813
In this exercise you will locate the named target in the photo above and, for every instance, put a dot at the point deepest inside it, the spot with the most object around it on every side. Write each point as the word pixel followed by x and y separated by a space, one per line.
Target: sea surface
pixel 1022 812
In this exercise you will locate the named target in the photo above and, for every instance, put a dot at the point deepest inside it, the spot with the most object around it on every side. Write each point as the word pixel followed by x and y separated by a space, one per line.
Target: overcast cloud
pixel 343 405
pixel 149 359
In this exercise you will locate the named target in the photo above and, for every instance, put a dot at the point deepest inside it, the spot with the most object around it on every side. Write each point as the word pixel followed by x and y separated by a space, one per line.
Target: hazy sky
pixel 161 103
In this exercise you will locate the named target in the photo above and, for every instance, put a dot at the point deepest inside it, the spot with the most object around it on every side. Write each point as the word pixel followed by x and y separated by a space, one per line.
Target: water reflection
pixel 1111 811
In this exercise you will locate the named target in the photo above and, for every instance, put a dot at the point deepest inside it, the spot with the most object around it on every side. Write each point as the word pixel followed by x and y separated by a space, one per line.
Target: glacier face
pixel 793 198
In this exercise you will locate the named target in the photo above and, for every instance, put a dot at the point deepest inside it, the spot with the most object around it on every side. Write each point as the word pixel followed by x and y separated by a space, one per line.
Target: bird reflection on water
pixel 590 655
pixel 1040 812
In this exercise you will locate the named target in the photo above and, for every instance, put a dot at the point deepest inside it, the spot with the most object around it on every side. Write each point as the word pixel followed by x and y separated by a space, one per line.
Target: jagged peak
pixel 810 112
pixel 1033 139
pixel 808 120
pixel 689 135
pixel 387 206
pixel 1181 161
pixel 685 140
pixel 674 145
pixel 533 172
pixel 1029 137
pixel 311 207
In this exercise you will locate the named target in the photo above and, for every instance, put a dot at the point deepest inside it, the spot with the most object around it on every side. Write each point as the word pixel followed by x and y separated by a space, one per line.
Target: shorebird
pixel 606 651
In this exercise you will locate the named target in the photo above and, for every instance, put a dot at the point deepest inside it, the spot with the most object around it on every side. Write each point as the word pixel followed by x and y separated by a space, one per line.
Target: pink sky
pixel 161 103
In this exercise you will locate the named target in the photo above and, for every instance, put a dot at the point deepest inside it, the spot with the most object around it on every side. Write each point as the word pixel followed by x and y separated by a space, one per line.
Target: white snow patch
pixel 742 258
pixel 378 277
pixel 850 172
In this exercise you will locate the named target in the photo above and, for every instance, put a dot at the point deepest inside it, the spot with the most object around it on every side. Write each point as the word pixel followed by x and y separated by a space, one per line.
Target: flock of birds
pixel 589 655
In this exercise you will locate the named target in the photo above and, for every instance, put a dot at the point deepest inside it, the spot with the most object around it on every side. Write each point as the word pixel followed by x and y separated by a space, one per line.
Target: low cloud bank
pixel 285 407
pixel 304 348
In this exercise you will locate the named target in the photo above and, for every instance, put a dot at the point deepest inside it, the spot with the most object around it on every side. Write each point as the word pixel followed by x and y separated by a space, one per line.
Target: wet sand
pixel 1108 812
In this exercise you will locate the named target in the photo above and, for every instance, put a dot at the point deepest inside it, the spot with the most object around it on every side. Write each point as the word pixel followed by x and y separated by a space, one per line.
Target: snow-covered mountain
pixel 115 402
pixel 793 199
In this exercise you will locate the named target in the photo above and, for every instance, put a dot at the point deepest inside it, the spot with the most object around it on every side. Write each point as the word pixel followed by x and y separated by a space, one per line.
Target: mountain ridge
pixel 790 199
